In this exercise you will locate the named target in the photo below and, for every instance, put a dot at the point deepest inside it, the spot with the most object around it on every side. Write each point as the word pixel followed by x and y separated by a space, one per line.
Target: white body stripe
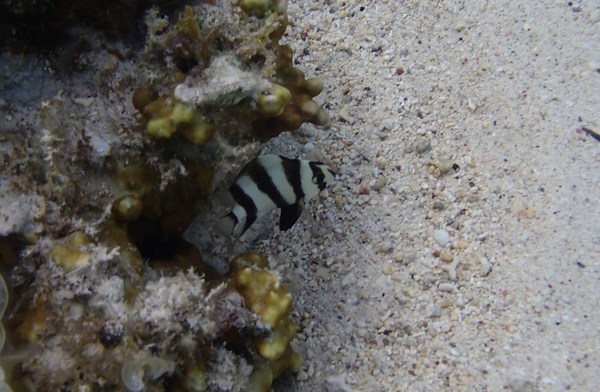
pixel 273 165
pixel 240 214
pixel 306 179
pixel 261 200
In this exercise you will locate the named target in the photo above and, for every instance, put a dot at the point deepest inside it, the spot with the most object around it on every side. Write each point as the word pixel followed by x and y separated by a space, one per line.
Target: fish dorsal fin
pixel 289 215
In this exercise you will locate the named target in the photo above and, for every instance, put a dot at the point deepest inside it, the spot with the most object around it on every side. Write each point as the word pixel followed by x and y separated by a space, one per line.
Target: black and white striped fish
pixel 272 181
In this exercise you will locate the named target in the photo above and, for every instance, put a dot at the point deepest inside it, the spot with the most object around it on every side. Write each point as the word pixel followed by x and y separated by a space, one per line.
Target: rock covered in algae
pixel 261 7
pixel 223 83
pixel 249 76
pixel 136 375
pixel 21 214
pixel 72 253
pixel 107 164
pixel 3 305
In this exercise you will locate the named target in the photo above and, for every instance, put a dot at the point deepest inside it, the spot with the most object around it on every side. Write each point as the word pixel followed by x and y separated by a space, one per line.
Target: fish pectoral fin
pixel 289 216
pixel 225 225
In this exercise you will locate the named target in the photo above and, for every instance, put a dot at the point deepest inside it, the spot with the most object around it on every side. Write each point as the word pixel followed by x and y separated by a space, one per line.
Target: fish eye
pixel 318 178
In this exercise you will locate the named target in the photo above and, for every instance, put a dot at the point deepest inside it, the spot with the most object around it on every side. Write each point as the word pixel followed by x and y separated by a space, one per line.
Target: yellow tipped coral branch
pixel 168 117
pixel 265 296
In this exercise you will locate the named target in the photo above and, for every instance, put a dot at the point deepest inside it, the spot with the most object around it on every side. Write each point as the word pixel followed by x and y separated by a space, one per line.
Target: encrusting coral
pixel 110 148
pixel 71 254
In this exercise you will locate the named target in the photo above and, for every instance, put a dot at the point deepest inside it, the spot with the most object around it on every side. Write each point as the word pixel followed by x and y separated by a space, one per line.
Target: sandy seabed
pixel 460 246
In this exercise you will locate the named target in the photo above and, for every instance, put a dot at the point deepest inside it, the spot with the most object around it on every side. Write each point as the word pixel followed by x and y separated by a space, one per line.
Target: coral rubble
pixel 110 144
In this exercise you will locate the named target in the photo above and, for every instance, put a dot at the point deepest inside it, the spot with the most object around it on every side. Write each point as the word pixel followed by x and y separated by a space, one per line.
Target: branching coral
pixel 250 76
pixel 301 108
pixel 167 116
pixel 265 296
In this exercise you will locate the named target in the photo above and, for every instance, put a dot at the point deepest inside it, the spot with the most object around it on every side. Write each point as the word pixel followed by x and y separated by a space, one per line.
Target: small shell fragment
pixel 441 237
pixel 447 287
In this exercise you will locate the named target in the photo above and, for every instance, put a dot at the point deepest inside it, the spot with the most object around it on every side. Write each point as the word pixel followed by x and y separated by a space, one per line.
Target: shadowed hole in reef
pixel 10 248
pixel 168 254
pixel 185 64
pixel 33 26
pixel 284 382
pixel 154 249
pixel 155 243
